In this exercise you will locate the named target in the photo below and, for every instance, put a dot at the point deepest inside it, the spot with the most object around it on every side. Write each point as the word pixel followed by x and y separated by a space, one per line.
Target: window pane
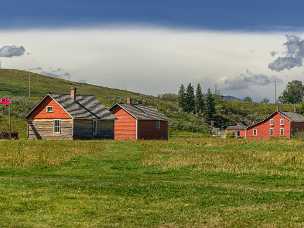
pixel 57 126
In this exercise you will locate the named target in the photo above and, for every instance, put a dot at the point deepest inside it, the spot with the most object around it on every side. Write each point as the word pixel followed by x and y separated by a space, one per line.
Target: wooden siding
pixel 41 113
pixel 124 126
pixel 43 129
pixel 297 129
pixel 147 129
pixel 263 128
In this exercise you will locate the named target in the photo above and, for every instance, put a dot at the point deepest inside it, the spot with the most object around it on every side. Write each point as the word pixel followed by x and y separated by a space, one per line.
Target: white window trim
pixel 47 107
pixel 271 129
pixel 282 122
pixel 271 122
pixel 283 131
pixel 255 132
pixel 56 133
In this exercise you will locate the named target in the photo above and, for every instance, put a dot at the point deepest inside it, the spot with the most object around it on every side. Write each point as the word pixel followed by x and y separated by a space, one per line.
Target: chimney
pixel 73 93
pixel 129 100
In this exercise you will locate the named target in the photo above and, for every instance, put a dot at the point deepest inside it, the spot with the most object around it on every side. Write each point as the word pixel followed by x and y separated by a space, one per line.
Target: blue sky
pixel 207 14
pixel 152 46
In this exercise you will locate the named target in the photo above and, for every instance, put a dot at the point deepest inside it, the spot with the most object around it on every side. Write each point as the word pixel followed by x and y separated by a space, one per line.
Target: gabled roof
pixel 141 112
pixel 295 117
pixel 292 116
pixel 83 107
pixel 237 127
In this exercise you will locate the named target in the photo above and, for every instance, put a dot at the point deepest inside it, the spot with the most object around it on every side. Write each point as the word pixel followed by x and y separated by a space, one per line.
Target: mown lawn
pixel 190 182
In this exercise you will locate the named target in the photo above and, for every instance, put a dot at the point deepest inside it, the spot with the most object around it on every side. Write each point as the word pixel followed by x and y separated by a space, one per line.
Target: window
pixel 157 124
pixel 94 127
pixel 271 122
pixel 271 131
pixel 49 109
pixel 57 126
pixel 282 133
pixel 255 132
pixel 282 121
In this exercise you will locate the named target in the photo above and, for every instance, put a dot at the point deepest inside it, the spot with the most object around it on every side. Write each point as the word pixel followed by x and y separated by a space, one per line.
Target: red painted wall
pixel 124 125
pixel 242 133
pixel 41 113
pixel 263 128
pixel 147 130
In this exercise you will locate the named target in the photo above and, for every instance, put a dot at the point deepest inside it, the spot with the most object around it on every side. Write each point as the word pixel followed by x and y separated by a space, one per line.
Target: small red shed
pixel 134 122
pixel 278 124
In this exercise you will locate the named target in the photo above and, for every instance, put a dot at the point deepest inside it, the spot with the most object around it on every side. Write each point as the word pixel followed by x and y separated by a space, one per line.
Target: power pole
pixel 29 84
pixel 275 95
pixel 9 122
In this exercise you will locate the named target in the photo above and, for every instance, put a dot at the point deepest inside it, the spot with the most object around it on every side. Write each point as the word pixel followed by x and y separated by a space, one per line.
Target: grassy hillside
pixel 14 83
pixel 194 182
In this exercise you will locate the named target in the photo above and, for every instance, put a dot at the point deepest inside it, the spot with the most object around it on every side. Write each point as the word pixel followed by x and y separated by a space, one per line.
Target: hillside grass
pixel 185 182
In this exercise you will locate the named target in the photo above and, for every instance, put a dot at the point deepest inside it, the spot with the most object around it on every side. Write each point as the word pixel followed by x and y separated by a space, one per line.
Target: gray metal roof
pixel 237 127
pixel 142 112
pixel 84 106
pixel 295 117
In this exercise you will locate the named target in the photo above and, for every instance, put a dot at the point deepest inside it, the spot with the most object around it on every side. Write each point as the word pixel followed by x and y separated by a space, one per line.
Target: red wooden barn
pixel 70 116
pixel 278 124
pixel 134 122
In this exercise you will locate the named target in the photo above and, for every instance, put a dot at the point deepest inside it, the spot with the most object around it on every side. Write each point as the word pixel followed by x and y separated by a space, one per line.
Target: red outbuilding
pixel 134 122
pixel 278 124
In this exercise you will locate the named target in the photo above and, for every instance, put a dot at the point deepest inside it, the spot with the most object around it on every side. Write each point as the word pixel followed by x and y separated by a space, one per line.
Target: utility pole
pixel 275 95
pixel 9 122
pixel 29 84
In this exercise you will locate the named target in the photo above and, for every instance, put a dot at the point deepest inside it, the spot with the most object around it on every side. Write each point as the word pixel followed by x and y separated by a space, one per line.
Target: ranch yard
pixel 185 182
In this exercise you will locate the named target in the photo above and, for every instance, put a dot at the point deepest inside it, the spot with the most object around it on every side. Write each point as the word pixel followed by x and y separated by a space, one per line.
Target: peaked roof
pixel 141 112
pixel 292 116
pixel 84 106
pixel 295 117
pixel 239 126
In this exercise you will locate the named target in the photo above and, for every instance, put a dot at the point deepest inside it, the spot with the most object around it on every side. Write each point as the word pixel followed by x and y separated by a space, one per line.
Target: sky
pixel 240 47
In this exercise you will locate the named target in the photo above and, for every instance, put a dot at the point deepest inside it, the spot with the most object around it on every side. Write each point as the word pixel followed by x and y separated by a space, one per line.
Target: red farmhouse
pixel 278 124
pixel 134 122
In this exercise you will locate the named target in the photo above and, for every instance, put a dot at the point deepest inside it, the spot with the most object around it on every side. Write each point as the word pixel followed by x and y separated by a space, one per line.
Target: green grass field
pixel 186 182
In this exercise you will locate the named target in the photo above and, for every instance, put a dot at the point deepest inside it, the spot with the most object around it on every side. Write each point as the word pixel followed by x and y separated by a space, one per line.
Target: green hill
pixel 14 83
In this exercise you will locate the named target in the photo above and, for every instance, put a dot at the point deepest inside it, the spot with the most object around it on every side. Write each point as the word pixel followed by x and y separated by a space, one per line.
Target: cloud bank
pixel 293 57
pixel 248 80
pixel 153 60
pixel 10 51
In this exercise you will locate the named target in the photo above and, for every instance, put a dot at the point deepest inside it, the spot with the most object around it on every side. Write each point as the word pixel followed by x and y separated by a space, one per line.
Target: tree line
pixel 196 102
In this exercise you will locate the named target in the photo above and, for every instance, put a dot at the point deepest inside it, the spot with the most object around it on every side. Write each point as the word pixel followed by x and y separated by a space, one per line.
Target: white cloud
pixel 149 60
pixel 248 80
pixel 293 57
pixel 9 51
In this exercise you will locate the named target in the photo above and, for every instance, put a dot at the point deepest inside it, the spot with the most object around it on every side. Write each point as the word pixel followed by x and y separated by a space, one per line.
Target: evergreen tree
pixel 199 100
pixel 210 105
pixel 182 97
pixel 190 99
